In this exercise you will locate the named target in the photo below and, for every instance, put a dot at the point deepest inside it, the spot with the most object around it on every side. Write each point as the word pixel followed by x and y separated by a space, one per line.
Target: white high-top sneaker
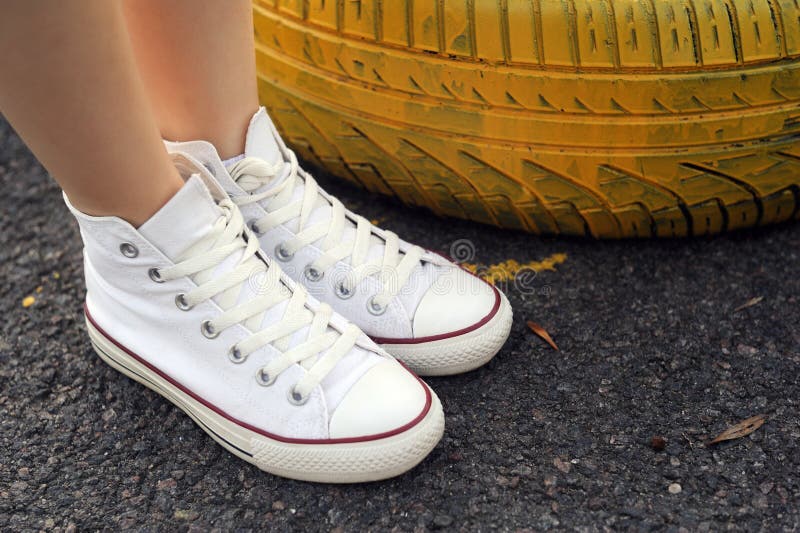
pixel 423 309
pixel 187 305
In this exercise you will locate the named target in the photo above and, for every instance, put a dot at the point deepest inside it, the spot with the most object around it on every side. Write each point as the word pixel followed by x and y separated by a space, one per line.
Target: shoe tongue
pixel 182 221
pixel 261 141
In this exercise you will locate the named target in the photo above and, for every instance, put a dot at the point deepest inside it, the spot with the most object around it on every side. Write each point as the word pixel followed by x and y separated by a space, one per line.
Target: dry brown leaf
pixel 542 333
pixel 749 303
pixel 658 443
pixel 742 429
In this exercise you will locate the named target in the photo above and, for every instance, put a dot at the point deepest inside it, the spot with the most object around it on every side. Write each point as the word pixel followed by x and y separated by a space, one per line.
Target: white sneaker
pixel 188 306
pixel 438 318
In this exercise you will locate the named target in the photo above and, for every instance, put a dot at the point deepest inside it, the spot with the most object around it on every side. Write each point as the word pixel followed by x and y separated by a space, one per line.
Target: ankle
pixel 135 204
pixel 168 188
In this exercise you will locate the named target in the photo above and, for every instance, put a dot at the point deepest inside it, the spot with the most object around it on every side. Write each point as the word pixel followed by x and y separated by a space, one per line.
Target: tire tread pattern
pixel 540 114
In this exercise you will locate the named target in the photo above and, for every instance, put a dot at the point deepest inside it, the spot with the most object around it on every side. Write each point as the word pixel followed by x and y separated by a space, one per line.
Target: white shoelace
pixel 393 269
pixel 201 260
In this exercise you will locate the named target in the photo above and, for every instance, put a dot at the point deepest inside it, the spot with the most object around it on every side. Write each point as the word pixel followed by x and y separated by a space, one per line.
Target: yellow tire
pixel 609 118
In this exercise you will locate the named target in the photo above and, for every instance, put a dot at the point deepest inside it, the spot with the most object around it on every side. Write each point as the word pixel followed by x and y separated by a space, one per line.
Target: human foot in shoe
pixel 186 305
pixel 436 317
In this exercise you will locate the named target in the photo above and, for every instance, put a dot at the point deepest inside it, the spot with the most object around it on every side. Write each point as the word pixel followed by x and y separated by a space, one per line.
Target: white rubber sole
pixel 462 353
pixel 347 462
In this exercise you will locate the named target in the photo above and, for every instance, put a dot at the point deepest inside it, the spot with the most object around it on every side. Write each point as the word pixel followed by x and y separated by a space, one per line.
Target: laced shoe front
pixel 438 318
pixel 187 305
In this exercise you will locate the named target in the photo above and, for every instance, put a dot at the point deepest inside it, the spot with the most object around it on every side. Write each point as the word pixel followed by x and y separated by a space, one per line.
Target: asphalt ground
pixel 651 344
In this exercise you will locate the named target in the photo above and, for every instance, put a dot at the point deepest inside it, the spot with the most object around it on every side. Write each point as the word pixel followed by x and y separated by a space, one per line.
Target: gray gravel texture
pixel 651 345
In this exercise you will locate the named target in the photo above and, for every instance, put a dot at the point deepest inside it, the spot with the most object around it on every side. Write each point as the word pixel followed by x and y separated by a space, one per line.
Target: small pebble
pixel 563 466
pixel 166 484
pixel 442 520
pixel 674 488
pixel 185 514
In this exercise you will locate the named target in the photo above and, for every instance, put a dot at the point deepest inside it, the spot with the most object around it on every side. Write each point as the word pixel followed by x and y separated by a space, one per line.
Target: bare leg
pixel 76 98
pixel 197 59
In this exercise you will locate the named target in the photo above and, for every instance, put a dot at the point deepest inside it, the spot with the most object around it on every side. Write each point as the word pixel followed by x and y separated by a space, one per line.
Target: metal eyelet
pixel 236 355
pixel 208 330
pixel 253 225
pixel 313 274
pixel 281 254
pixel 295 398
pixel 155 275
pixel 343 292
pixel 180 302
pixel 374 308
pixel 263 378
pixel 128 250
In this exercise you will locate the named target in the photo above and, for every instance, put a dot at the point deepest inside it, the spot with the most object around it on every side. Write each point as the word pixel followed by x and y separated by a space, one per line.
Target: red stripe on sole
pixel 279 438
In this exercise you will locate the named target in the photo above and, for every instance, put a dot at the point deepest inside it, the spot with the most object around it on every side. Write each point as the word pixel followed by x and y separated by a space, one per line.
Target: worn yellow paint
pixel 28 301
pixel 507 270
pixel 610 119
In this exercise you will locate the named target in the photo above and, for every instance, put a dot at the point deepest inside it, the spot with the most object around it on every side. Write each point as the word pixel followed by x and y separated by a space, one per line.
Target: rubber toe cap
pixel 457 300
pixel 385 399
